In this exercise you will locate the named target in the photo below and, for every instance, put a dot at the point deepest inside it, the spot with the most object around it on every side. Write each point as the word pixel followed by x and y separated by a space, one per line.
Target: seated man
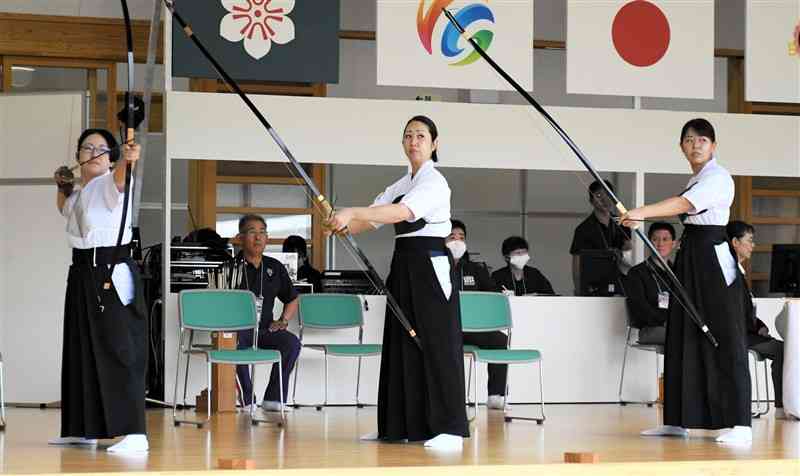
pixel 599 232
pixel 519 278
pixel 740 235
pixel 267 278
pixel 305 272
pixel 473 276
pixel 647 295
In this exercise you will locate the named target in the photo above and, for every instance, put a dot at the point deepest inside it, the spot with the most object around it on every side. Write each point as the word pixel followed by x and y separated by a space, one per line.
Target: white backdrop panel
pixel 35 260
pixel 771 72
pixel 34 145
pixel 331 130
pixel 594 66
pixel 403 60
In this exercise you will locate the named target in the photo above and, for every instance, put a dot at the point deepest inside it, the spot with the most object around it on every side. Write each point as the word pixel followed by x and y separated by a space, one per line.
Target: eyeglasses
pixel 99 150
pixel 255 233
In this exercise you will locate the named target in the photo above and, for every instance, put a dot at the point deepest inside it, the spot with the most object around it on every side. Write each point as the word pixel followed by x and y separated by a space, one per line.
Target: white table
pixel 581 339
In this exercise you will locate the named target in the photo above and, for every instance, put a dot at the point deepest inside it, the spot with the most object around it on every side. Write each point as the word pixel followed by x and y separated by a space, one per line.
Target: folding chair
pixel 220 310
pixel 486 312
pixel 334 311
pixel 629 343
pixel 760 358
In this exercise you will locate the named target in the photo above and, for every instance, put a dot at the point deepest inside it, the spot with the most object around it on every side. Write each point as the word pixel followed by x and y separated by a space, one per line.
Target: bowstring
pixel 71 111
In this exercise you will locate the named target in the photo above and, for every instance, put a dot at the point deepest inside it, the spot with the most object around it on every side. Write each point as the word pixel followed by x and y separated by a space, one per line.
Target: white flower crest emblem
pixel 258 23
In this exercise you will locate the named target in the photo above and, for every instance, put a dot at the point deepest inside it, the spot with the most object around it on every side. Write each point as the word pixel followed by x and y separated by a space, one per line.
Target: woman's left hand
pixel 339 220
pixel 131 152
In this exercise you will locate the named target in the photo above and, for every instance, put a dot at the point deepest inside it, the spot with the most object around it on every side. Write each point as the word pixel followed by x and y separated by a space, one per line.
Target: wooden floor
pixel 329 439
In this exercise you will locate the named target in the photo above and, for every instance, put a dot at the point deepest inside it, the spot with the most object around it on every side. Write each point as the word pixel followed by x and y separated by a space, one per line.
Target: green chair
pixel 220 310
pixel 486 312
pixel 328 312
pixel 630 343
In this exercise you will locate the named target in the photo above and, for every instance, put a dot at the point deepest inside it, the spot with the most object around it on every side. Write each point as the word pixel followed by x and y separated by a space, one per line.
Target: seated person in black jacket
pixel 740 235
pixel 474 276
pixel 648 297
pixel 297 244
pixel 518 277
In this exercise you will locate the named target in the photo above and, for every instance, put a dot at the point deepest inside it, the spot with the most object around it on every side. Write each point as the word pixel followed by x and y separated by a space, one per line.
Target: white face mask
pixel 519 261
pixel 457 247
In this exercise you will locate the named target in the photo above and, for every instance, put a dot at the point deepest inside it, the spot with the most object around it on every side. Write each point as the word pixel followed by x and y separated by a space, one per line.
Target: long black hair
pixel 431 128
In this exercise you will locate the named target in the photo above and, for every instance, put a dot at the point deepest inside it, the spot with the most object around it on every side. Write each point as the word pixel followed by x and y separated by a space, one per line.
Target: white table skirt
pixel 788 325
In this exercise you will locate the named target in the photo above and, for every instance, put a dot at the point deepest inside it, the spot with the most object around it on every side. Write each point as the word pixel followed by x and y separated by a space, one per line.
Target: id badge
pixel 259 305
pixel 663 300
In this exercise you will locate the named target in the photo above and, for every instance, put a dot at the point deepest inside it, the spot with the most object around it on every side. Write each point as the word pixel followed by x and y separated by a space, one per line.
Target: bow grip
pixel 324 205
pixel 622 212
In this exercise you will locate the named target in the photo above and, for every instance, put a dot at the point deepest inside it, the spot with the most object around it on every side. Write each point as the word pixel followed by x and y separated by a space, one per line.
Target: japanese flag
pixel 772 51
pixel 657 48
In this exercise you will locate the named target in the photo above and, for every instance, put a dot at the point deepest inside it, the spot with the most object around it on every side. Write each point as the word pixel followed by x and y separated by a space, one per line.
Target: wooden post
pixel 223 376
pixel 581 458
pixel 235 463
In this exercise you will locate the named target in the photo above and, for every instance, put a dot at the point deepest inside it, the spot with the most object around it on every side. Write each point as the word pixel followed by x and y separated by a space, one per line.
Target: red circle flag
pixel 641 33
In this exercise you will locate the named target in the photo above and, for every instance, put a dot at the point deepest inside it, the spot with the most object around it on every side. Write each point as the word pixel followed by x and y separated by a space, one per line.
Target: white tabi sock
pixel 131 444
pixel 445 442
pixel 373 436
pixel 666 430
pixel 739 434
pixel 780 414
pixel 71 440
pixel 270 406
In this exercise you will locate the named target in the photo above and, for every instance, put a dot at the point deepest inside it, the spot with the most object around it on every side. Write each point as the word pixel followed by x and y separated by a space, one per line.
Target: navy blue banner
pixel 260 40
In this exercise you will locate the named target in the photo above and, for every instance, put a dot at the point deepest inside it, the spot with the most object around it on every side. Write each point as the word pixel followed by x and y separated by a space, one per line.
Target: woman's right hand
pixel 337 223
pixel 65 180
pixel 63 175
pixel 633 219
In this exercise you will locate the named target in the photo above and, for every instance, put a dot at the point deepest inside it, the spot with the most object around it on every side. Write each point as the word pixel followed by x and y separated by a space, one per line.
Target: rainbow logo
pixel 426 21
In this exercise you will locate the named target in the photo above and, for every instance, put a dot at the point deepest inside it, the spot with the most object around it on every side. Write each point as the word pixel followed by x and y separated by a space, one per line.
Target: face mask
pixel 458 248
pixel 519 261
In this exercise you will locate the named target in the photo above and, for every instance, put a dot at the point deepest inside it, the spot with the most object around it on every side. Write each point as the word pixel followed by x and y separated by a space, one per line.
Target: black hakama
pixel 105 353
pixel 706 387
pixel 421 393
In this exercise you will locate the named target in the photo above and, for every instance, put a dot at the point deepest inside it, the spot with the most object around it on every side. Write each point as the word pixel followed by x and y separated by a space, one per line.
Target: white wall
pixel 34 255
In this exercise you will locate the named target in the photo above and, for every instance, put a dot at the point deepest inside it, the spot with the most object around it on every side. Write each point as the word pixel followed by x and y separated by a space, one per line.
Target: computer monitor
pixel 784 276
pixel 599 273
pixel 288 260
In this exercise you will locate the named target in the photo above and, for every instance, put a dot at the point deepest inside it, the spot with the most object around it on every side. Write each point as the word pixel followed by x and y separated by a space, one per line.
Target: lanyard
pixel 260 281
pixel 653 275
